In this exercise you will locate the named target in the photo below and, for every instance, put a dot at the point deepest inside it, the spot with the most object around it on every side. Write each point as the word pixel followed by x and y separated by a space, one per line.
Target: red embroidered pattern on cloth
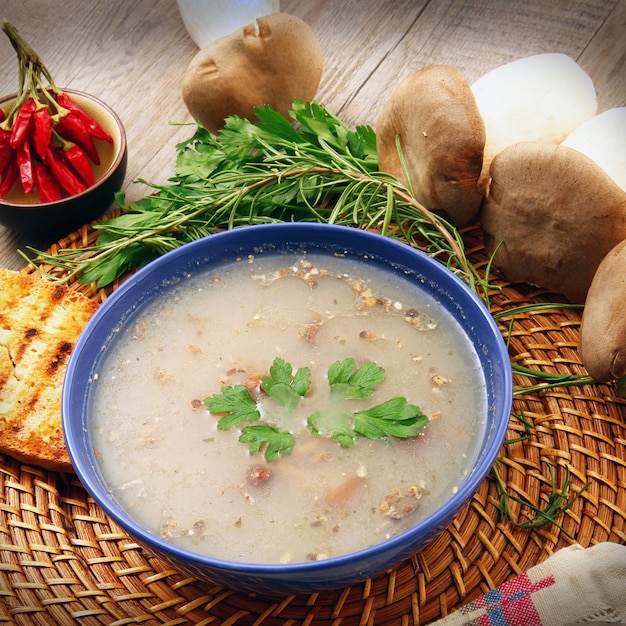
pixel 510 604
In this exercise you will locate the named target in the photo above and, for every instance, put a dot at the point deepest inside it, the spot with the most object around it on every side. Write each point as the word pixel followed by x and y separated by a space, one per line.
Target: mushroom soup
pixel 285 409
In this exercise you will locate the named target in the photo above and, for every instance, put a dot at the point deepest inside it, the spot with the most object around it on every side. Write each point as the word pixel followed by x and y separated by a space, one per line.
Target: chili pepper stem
pixel 24 49
pixel 45 125
pixel 60 110
pixel 64 143
pixel 31 68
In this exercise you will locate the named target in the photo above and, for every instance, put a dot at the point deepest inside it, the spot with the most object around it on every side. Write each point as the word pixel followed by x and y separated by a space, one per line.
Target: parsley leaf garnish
pixel 238 405
pixel 277 442
pixel 282 387
pixel 339 427
pixel 347 382
pixel 393 418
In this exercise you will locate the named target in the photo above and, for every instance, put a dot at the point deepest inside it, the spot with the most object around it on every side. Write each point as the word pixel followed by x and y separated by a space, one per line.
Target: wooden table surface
pixel 133 53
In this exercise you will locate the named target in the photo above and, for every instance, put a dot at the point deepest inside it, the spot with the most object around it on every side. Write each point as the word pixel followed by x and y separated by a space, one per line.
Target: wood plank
pixel 354 41
pixel 604 59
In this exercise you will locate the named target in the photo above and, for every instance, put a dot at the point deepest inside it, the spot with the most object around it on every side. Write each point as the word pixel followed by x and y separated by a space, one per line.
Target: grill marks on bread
pixel 39 324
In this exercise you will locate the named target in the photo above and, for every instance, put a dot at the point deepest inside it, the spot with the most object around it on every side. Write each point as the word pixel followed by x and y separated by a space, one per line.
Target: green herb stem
pixel 556 505
pixel 549 380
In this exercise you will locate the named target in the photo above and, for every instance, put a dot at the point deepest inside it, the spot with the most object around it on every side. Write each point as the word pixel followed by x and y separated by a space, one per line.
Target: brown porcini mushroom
pixel 550 215
pixel 441 136
pixel 272 62
pixel 602 344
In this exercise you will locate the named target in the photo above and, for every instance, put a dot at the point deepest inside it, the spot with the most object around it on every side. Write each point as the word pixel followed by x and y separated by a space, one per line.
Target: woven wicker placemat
pixel 62 561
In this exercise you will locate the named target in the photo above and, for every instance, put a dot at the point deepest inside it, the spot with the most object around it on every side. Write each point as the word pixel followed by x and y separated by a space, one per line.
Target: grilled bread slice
pixel 39 324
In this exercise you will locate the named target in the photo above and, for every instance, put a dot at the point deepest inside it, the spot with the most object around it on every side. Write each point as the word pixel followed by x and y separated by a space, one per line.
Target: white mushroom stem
pixel 540 98
pixel 603 139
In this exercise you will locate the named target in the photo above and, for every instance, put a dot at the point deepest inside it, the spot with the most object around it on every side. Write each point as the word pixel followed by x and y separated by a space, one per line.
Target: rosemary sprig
pixel 557 502
pixel 526 423
pixel 317 170
pixel 546 380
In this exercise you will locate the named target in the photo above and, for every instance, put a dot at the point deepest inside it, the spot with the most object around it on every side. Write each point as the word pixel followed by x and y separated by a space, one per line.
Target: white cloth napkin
pixel 573 585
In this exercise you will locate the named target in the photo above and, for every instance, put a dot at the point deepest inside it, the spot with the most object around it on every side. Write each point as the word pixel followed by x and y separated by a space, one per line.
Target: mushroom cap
pixel 551 214
pixel 272 62
pixel 602 345
pixel 442 137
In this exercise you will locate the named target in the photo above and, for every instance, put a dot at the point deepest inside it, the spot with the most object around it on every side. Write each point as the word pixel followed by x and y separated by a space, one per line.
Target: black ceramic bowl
pixel 50 220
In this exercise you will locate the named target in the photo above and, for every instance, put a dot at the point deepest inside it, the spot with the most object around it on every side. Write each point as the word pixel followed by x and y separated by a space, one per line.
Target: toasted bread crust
pixel 40 322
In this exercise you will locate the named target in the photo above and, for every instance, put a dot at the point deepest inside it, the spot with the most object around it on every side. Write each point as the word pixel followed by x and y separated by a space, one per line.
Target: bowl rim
pixel 115 163
pixel 87 469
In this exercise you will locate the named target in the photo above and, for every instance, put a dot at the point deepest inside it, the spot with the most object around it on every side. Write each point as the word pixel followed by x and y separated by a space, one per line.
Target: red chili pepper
pixel 23 123
pixel 25 163
pixel 47 187
pixel 77 159
pixel 42 134
pixel 64 175
pixel 9 176
pixel 71 127
pixel 6 151
pixel 95 129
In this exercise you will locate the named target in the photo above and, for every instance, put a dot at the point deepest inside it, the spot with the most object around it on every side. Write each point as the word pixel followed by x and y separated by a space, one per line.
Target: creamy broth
pixel 198 486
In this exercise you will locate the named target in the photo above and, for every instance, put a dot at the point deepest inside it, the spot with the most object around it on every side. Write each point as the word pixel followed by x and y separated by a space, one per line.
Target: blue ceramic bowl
pixel 394 256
